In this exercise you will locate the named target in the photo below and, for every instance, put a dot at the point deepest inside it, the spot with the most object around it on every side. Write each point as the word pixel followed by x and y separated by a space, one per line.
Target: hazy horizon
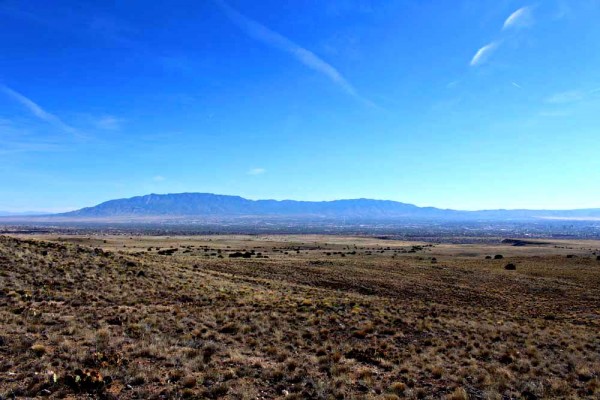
pixel 463 105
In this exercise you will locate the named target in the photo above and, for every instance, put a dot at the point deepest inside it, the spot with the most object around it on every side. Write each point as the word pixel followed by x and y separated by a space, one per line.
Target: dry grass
pixel 110 317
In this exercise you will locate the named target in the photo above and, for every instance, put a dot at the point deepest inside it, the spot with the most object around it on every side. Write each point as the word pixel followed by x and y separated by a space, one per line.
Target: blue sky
pixel 469 104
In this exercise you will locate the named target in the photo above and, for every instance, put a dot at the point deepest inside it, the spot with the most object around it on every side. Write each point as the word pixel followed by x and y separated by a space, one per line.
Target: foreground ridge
pixel 300 317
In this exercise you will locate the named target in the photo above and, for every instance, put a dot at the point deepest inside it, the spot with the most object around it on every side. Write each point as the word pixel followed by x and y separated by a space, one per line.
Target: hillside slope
pixel 127 321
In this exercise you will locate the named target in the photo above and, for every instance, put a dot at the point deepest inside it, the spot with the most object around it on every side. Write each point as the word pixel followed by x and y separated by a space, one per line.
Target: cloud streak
pixel 271 38
pixel 484 53
pixel 37 110
pixel 256 171
pixel 16 147
pixel 571 96
pixel 521 17
pixel 109 123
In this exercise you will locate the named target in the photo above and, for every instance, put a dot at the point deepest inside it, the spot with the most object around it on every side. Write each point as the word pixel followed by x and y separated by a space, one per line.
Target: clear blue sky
pixel 467 104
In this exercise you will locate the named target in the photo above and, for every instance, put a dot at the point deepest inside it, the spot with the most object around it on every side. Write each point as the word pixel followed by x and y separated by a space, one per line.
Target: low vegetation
pixel 296 317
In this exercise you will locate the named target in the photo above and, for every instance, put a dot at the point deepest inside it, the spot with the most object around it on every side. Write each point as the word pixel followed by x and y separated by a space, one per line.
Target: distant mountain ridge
pixel 214 205
pixel 208 204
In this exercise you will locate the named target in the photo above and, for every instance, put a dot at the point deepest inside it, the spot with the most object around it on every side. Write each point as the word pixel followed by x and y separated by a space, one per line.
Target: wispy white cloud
pixel 520 18
pixel 159 178
pixel 563 9
pixel 37 110
pixel 484 53
pixel 263 34
pixel 108 122
pixel 570 96
pixel 74 21
pixel 515 84
pixel 554 113
pixel 256 171
pixel 13 147
pixel 17 137
pixel 110 28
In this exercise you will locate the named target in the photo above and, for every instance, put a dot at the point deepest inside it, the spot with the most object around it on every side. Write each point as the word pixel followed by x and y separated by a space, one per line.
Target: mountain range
pixel 214 205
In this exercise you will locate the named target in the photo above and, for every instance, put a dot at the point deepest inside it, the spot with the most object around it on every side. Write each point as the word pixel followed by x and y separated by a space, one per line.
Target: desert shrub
pixel 102 339
pixel 459 394
pixel 397 388
pixel 229 328
pixel 176 375
pixel 437 372
pixel 218 390
pixel 38 349
pixel 188 382
pixel 209 350
pixel 510 267
pixel 584 374
pixel 137 380
pixel 87 381
pixel 498 257
pixel 239 254
pixel 188 393
pixel 167 252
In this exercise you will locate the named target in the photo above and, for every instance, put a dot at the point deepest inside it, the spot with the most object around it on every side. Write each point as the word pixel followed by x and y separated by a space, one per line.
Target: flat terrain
pixel 299 317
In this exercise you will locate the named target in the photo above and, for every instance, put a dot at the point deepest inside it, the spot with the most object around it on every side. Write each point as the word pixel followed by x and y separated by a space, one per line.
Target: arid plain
pixel 297 316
